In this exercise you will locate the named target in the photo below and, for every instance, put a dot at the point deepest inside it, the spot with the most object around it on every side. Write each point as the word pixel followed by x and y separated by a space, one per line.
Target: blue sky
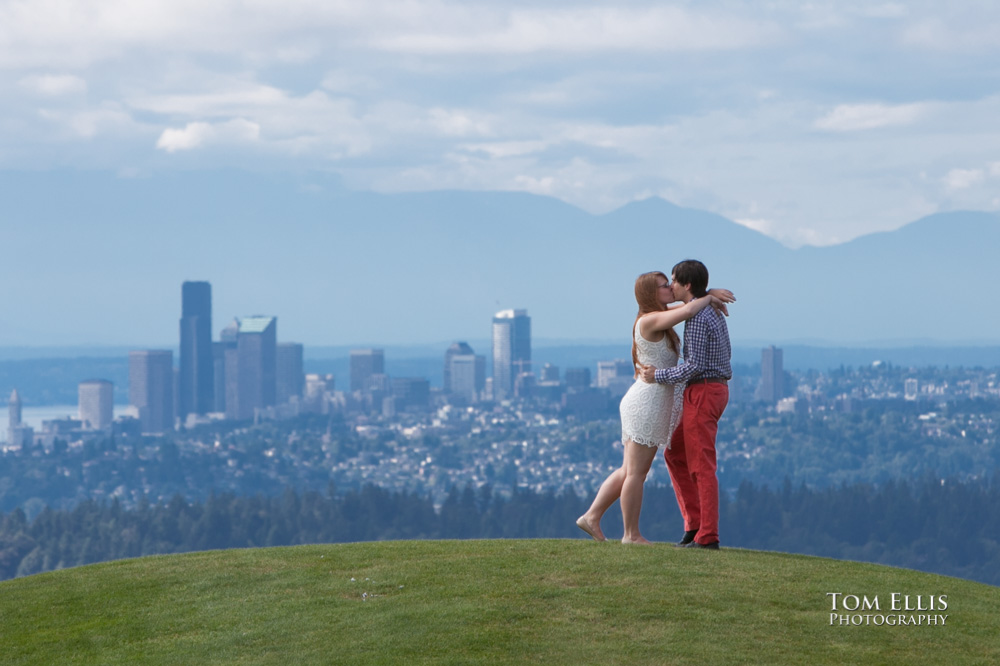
pixel 813 122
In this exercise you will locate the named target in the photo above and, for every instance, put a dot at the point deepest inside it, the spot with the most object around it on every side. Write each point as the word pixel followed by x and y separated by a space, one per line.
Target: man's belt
pixel 708 380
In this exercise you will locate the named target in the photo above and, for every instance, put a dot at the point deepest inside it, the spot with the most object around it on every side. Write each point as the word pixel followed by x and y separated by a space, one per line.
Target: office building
pixel 196 384
pixel 318 392
pixel 291 379
pixel 550 373
pixel 456 349
pixel 14 410
pixel 225 345
pixel 468 376
pixel 19 435
pixel 251 367
pixel 511 350
pixel 364 364
pixel 96 407
pixel 151 389
pixel 577 377
pixel 772 376
pixel 611 373
pixel 412 393
pixel 464 372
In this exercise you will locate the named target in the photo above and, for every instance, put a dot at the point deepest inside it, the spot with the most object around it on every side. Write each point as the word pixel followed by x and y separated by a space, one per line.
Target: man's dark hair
pixel 692 272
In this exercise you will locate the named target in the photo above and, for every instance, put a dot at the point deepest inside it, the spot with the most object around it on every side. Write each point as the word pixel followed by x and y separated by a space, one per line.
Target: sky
pixel 811 122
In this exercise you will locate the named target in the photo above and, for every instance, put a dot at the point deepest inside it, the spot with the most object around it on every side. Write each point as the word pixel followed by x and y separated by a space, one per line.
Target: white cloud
pixel 197 134
pixel 346 81
pixel 225 102
pixel 54 85
pixel 956 33
pixel 710 104
pixel 108 118
pixel 456 122
pixel 191 136
pixel 581 29
pixel 503 149
pixel 883 10
pixel 855 117
pixel 961 179
pixel 763 226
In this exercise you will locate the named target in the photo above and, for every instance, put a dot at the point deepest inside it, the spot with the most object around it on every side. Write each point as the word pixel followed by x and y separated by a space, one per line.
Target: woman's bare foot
pixel 641 541
pixel 593 530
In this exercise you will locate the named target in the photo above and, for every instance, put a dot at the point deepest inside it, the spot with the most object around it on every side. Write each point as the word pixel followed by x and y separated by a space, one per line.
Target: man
pixel 706 371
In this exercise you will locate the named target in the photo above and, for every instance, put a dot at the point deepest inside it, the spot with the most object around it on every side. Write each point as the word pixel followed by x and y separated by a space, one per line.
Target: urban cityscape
pixel 513 429
pixel 247 374
pixel 239 423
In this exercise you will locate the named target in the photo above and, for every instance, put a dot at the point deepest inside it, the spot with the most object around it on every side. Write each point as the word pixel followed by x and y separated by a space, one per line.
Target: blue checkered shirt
pixel 707 351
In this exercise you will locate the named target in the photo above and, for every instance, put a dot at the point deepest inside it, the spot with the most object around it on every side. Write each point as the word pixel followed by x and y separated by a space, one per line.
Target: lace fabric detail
pixel 651 412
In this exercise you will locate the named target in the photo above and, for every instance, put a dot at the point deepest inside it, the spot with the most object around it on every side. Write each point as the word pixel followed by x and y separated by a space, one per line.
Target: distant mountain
pixel 95 259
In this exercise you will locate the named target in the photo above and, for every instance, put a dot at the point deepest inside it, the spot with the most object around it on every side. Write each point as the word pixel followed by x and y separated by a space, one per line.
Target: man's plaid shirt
pixel 707 351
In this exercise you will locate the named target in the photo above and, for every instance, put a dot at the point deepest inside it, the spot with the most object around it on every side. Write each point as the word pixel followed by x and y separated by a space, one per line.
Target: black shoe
pixel 688 538
pixel 710 546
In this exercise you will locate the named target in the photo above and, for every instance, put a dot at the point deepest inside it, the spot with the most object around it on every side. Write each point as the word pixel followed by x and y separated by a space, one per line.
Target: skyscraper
pixel 19 435
pixel 511 350
pixel 291 379
pixel 464 372
pixel 364 364
pixel 151 388
pixel 96 403
pixel 224 355
pixel 14 410
pixel 196 382
pixel 455 349
pixel 772 375
pixel 251 368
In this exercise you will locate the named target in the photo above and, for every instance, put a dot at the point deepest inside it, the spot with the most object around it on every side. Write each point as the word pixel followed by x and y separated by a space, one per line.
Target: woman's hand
pixel 718 304
pixel 723 295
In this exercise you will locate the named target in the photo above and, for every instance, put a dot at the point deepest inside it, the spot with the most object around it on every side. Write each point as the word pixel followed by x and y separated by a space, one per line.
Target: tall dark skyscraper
pixel 196 382
pixel 511 350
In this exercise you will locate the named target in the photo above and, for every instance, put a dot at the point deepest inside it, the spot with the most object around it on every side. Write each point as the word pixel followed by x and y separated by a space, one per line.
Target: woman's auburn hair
pixel 646 286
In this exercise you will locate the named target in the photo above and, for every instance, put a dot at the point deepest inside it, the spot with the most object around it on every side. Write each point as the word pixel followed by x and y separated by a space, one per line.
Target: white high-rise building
pixel 96 398
pixel 511 350
pixel 464 372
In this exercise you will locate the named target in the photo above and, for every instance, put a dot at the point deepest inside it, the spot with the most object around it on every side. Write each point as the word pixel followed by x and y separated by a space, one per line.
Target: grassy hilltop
pixel 490 602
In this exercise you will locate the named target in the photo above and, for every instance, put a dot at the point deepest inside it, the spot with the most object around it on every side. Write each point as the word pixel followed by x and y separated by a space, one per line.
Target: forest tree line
pixel 943 527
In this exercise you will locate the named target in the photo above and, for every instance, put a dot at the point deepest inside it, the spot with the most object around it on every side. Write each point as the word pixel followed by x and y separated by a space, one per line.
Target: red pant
pixel 691 459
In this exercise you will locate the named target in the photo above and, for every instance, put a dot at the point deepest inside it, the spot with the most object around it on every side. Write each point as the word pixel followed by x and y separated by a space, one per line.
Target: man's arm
pixel 696 335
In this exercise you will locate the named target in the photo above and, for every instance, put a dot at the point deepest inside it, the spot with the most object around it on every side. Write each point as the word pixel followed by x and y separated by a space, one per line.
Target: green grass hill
pixel 493 602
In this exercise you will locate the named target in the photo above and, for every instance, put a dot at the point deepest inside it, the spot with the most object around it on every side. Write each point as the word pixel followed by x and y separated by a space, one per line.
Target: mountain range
pixel 92 258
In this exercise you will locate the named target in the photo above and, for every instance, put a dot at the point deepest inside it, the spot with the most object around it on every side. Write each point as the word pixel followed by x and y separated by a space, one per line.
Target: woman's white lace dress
pixel 650 412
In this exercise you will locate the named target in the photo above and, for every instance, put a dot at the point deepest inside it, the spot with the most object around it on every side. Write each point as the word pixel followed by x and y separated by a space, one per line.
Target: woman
pixel 649 412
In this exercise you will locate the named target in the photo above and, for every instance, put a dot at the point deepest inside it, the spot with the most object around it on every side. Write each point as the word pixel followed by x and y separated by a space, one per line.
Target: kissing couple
pixel 671 405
